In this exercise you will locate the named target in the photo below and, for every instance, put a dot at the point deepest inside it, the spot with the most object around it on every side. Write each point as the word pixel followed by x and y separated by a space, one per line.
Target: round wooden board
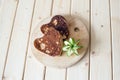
pixel 62 61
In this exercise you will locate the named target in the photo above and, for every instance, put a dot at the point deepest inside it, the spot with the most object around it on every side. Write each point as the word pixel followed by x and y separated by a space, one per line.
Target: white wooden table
pixel 18 19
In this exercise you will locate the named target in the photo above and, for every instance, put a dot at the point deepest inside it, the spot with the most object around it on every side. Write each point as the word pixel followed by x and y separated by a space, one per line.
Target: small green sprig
pixel 71 46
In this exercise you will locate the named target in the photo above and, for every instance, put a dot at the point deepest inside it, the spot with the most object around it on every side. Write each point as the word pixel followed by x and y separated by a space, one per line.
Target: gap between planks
pixel 44 73
pixel 111 41
pixel 44 70
pixel 20 7
pixel 85 19
pixel 58 7
pixel 70 14
pixel 89 50
pixel 51 8
pixel 44 76
pixel 9 40
pixel 28 38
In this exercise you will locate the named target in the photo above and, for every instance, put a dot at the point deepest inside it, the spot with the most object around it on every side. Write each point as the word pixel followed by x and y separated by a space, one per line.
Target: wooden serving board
pixel 77 31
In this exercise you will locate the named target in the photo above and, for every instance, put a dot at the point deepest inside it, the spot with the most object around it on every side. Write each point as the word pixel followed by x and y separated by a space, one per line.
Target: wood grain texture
pixel 63 61
pixel 100 58
pixel 34 70
pixel 81 70
pixel 115 26
pixel 7 16
pixel 17 50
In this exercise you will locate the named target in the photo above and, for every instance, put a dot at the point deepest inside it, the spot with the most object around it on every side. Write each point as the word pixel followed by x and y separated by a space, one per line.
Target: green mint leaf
pixel 71 47
pixel 76 52
pixel 66 43
pixel 70 52
pixel 76 47
pixel 77 42
pixel 72 41
pixel 65 48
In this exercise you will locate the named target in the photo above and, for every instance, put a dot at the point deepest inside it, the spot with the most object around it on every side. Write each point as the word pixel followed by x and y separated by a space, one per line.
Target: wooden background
pixel 18 19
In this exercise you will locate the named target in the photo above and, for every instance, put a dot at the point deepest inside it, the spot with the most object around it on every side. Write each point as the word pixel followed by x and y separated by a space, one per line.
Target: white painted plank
pixel 35 70
pixel 17 50
pixel 115 24
pixel 81 69
pixel 1 4
pixel 6 21
pixel 59 7
pixel 100 58
pixel 55 74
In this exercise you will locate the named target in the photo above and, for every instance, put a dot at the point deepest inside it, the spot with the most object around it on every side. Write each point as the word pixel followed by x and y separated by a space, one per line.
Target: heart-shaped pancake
pixel 60 24
pixel 50 43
